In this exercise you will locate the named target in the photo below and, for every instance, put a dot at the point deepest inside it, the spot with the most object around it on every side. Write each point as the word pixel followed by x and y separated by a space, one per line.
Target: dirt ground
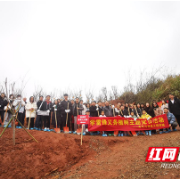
pixel 61 156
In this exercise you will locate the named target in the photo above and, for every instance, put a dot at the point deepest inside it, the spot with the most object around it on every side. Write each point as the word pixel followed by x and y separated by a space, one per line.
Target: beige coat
pixel 30 113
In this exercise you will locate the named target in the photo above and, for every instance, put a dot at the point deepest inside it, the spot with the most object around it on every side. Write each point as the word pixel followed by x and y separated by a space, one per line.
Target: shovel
pixel 57 130
pixel 66 129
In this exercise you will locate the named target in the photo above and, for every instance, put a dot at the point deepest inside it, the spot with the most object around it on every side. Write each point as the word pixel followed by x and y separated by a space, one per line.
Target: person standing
pixel 139 111
pixel 93 110
pixel 47 108
pixel 149 110
pixel 84 108
pixel 121 111
pixel 77 111
pixel 66 111
pixel 164 105
pixel 19 105
pixel 100 107
pixel 88 107
pixel 157 110
pixel 127 111
pixel 174 107
pixel 59 101
pixel 3 103
pixel 117 109
pixel 39 117
pixel 108 111
pixel 8 114
pixel 31 108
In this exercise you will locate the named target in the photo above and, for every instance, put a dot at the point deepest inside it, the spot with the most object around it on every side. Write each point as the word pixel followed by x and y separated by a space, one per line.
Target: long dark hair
pixel 30 98
pixel 154 106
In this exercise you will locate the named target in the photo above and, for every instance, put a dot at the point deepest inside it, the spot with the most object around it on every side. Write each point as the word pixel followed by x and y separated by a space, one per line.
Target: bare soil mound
pixel 62 156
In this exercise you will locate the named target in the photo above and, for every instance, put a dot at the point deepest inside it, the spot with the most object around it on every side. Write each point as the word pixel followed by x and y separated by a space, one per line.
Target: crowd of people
pixel 43 114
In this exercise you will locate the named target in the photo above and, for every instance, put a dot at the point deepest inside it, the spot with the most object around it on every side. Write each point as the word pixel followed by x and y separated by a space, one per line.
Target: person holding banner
pixel 108 111
pixel 31 112
pixel 100 107
pixel 139 111
pixel 149 110
pixel 145 115
pixel 117 109
pixel 121 111
pixel 127 111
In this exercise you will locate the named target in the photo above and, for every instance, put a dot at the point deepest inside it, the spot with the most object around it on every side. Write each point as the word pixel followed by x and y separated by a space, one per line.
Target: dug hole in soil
pixel 62 156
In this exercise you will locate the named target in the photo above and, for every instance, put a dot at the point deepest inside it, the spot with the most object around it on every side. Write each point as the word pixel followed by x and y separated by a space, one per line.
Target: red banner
pixel 127 124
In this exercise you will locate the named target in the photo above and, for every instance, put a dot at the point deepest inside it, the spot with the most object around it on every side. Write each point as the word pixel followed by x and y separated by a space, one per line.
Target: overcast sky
pixel 86 44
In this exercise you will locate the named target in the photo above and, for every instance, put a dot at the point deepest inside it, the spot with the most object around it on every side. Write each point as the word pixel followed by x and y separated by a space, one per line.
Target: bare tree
pixel 104 93
pixel 110 95
pixel 115 91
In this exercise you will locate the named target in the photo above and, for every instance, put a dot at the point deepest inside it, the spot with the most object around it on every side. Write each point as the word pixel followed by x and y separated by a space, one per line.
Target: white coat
pixel 28 107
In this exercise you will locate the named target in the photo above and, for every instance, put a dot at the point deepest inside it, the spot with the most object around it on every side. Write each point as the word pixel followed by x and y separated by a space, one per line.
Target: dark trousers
pixel 21 117
pixel 38 121
pixel 45 121
pixel 31 122
pixel 178 119
pixel 2 115
pixel 173 126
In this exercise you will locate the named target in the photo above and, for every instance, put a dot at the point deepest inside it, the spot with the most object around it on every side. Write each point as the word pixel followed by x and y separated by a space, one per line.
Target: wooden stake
pixel 81 134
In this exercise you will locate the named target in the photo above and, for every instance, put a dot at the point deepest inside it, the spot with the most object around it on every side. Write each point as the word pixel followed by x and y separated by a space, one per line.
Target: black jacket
pixel 150 111
pixel 127 111
pixel 39 104
pixel 3 102
pixel 100 109
pixel 134 111
pixel 139 111
pixel 93 112
pixel 121 113
pixel 46 106
pixel 174 108
pixel 64 106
